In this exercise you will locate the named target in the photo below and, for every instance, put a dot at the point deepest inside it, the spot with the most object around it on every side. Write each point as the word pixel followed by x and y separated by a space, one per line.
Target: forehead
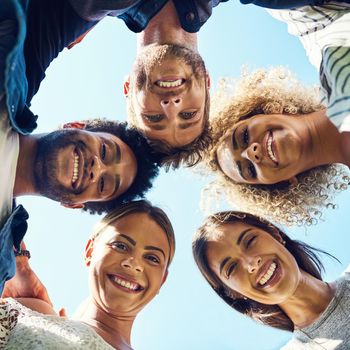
pixel 141 228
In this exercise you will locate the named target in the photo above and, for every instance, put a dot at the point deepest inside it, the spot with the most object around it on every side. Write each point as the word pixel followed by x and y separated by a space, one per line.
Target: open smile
pixel 78 168
pixel 269 274
pixel 271 148
pixel 125 284
pixel 170 82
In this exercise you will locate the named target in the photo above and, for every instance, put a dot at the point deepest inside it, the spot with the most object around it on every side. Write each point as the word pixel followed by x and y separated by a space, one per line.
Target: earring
pixel 283 242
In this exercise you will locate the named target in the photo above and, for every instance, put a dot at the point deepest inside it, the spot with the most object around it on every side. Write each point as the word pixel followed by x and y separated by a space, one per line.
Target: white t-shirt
pixel 23 328
pixel 324 32
pixel 331 331
pixel 9 150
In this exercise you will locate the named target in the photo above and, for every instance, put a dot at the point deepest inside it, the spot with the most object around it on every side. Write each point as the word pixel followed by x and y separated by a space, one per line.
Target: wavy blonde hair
pixel 273 91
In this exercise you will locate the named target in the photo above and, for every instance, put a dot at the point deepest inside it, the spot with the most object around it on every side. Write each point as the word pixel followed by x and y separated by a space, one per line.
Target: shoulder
pixel 37 305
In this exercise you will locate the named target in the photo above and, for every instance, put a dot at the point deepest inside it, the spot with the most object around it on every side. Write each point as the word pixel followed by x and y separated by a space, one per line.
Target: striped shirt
pixel 324 32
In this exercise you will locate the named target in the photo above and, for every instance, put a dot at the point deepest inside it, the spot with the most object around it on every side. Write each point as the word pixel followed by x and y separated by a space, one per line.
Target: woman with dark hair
pixel 259 271
pixel 128 256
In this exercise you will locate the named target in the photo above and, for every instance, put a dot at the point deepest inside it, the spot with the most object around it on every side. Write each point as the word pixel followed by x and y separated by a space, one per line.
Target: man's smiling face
pixel 76 166
pixel 168 94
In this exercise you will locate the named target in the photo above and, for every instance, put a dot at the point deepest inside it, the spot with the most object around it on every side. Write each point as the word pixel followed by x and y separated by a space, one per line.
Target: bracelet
pixel 22 252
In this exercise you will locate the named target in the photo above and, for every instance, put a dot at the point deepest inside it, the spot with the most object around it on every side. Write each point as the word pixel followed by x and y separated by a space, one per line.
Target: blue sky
pixel 86 82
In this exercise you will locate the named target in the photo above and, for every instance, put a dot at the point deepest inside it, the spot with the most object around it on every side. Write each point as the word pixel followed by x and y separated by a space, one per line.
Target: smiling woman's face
pixel 264 149
pixel 253 263
pixel 128 264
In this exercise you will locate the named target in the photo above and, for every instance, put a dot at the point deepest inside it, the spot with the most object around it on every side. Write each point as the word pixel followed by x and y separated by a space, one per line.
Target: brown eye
pixel 154 118
pixel 120 246
pixel 250 241
pixel 101 184
pixel 187 115
pixel 152 259
pixel 245 137
pixel 230 269
pixel 103 152
pixel 251 170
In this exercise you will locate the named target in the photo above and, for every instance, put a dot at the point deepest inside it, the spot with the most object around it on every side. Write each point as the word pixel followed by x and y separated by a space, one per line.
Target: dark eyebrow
pixel 128 239
pixel 241 236
pixel 151 247
pixel 157 127
pixel 188 125
pixel 223 263
pixel 116 186
pixel 234 141
pixel 118 153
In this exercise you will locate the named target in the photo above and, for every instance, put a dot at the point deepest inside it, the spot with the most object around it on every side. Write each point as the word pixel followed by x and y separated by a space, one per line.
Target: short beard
pixel 45 168
pixel 152 55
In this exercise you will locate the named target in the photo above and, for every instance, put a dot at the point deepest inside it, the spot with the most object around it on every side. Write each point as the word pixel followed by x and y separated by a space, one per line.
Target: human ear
pixel 88 252
pixel 74 125
pixel 126 86
pixel 208 80
pixel 293 181
pixel 73 205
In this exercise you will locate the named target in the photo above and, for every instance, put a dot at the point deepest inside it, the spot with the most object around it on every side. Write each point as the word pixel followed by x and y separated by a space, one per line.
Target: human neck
pixel 325 142
pixel 24 181
pixel 113 329
pixel 309 300
pixel 165 28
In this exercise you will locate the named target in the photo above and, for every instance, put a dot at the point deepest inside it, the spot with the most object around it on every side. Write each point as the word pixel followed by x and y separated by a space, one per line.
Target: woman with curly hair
pixel 262 273
pixel 274 147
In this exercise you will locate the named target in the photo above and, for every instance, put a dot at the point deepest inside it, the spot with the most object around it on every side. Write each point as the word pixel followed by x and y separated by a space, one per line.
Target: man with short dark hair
pixel 168 32
pixel 95 165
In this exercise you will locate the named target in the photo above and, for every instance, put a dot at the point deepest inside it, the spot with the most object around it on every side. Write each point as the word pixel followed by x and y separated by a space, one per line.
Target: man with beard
pixel 95 165
pixel 41 29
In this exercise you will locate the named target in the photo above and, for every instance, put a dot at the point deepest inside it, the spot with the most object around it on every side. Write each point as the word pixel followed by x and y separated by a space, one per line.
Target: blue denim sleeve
pixel 11 235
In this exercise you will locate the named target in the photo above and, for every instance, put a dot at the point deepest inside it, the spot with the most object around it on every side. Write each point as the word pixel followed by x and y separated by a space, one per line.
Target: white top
pixel 324 32
pixel 9 150
pixel 331 331
pixel 23 328
pixel 318 27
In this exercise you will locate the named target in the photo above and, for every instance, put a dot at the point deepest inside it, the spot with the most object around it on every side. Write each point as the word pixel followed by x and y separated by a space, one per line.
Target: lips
pixel 125 283
pixel 170 82
pixel 269 274
pixel 78 168
pixel 271 148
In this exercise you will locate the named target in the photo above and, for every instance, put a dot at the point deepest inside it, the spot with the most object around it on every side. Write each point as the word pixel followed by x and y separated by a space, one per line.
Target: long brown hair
pixel 271 315
pixel 141 206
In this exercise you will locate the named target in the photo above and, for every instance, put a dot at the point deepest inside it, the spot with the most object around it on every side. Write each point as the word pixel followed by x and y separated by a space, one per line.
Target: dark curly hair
pixel 148 163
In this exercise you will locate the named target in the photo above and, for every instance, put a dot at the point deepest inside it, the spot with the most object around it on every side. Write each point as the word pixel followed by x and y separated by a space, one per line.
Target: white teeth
pixel 269 149
pixel 125 284
pixel 268 274
pixel 169 83
pixel 75 168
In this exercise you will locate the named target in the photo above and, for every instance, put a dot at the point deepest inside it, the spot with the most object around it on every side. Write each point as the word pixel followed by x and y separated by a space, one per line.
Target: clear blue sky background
pixel 86 82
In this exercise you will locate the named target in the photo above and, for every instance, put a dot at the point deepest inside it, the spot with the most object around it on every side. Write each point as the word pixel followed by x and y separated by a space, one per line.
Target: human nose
pixel 252 263
pixel 171 101
pixel 96 168
pixel 132 264
pixel 253 152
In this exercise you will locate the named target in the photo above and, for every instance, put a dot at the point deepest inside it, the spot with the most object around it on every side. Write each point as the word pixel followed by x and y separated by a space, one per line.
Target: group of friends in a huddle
pixel 270 142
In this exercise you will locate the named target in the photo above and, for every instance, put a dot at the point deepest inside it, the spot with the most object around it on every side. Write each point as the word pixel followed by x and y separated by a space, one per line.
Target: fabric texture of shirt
pixel 9 150
pixel 331 331
pixel 31 330
pixel 324 32
pixel 137 13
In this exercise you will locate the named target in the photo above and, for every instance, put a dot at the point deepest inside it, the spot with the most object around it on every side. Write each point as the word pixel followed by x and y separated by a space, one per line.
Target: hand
pixel 25 283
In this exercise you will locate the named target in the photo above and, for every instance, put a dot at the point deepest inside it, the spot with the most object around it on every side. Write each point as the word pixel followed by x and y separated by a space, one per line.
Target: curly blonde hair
pixel 273 91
